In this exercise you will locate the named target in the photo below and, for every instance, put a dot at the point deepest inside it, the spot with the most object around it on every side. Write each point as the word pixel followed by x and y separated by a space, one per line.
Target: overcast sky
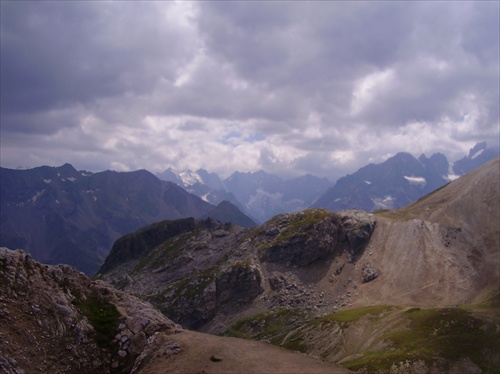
pixel 288 87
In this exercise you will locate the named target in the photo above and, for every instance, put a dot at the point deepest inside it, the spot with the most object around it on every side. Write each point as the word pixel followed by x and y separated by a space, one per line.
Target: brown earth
pixel 206 353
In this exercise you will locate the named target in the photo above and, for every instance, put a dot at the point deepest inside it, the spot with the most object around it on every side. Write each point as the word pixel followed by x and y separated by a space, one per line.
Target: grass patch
pixel 164 253
pixel 104 318
pixel 450 333
pixel 352 315
pixel 273 326
pixel 381 211
pixel 302 224
pixel 295 344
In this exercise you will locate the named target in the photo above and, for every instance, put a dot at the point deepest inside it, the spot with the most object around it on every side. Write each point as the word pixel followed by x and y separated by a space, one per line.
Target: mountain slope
pixel 61 215
pixel 260 195
pixel 457 226
pixel 312 280
pixel 399 181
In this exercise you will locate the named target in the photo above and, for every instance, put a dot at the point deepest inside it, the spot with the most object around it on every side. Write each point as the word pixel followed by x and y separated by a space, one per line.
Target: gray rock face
pixel 358 227
pixel 240 284
pixel 56 319
pixel 308 236
pixel 216 269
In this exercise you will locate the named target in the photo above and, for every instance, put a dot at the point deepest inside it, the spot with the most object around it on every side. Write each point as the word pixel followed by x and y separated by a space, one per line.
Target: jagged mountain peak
pixel 478 155
pixel 399 181
pixel 478 147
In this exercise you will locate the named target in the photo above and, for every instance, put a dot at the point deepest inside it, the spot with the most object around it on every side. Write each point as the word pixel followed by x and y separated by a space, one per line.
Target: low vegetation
pixel 272 326
pixel 352 315
pixel 452 334
pixel 104 318
pixel 410 339
pixel 165 252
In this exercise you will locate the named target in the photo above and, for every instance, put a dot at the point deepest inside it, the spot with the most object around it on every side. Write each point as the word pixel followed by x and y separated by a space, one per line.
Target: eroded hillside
pixel 273 282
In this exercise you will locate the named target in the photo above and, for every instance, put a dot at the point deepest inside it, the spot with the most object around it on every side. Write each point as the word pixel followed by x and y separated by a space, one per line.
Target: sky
pixel 287 87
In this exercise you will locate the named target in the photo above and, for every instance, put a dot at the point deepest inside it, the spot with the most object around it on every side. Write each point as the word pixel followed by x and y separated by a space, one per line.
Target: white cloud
pixel 368 88
pixel 319 87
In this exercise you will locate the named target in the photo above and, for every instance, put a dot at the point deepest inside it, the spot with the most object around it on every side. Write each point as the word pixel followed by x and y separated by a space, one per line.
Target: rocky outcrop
pixel 239 284
pixel 55 319
pixel 141 242
pixel 303 238
pixel 358 227
pixel 214 270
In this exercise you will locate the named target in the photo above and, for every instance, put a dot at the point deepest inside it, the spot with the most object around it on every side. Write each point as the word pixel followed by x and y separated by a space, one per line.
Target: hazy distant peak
pixel 477 149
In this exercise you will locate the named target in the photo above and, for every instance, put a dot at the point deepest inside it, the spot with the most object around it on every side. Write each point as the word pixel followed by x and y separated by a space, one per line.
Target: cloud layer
pixel 289 87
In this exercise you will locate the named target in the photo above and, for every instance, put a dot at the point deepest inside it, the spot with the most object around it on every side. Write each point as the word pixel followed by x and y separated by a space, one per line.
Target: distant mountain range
pixel 392 184
pixel 259 194
pixel 400 180
pixel 61 215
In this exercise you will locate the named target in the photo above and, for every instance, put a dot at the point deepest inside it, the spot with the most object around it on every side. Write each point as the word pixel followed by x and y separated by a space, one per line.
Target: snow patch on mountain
pixel 477 154
pixel 420 181
pixel 36 196
pixel 189 178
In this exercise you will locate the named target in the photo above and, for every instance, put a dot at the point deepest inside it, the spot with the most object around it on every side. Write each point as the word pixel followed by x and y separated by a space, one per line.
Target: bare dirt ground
pixel 203 353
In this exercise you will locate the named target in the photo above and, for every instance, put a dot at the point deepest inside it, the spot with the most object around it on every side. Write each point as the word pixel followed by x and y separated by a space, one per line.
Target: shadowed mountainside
pixel 61 215
pixel 400 180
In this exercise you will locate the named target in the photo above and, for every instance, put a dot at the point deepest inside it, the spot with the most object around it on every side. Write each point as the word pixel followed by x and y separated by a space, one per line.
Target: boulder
pixel 240 283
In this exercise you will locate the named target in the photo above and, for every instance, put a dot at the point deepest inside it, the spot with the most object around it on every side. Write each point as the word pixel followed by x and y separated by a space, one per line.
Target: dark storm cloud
pixel 308 86
pixel 313 47
pixel 341 42
pixel 59 54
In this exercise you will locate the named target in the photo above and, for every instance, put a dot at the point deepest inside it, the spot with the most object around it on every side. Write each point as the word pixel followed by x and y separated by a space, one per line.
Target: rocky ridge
pixel 54 319
pixel 203 277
